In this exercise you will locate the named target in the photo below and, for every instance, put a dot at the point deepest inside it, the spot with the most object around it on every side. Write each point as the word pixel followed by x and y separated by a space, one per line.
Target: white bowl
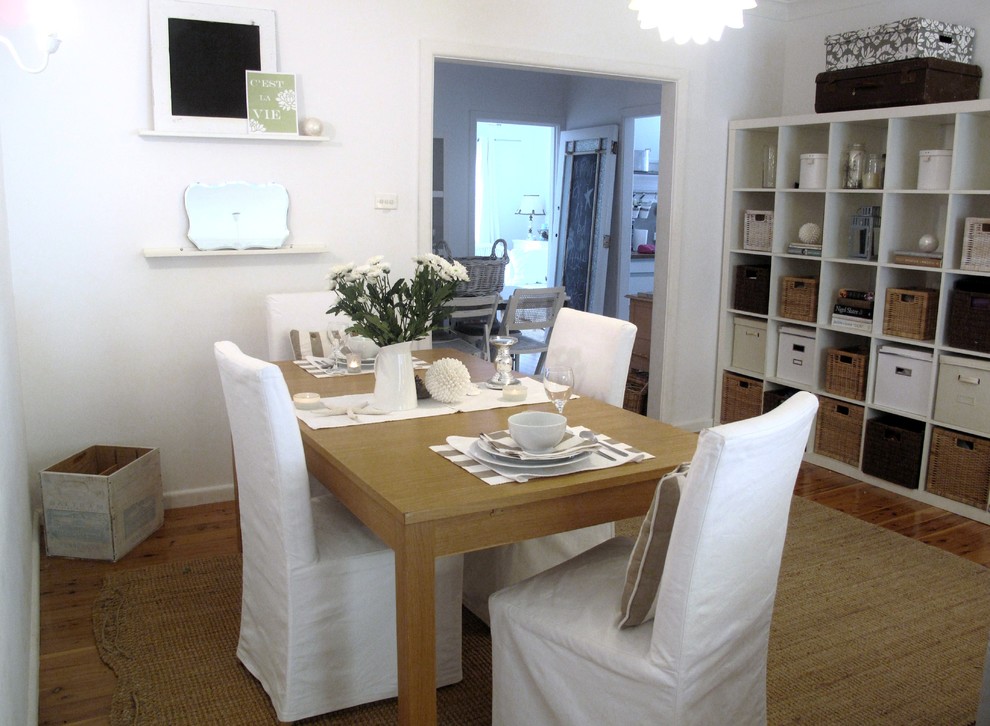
pixel 365 347
pixel 537 431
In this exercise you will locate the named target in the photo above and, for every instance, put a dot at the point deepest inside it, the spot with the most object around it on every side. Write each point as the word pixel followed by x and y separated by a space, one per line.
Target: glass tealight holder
pixel 353 362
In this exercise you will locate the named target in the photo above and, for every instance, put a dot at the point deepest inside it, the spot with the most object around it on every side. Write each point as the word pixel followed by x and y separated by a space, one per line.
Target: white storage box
pixel 963 394
pixel 934 167
pixel 903 379
pixel 796 355
pixel 900 40
pixel 813 170
pixel 749 344
pixel 102 502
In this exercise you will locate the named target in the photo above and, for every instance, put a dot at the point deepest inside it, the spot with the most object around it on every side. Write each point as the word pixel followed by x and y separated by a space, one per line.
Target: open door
pixel 582 224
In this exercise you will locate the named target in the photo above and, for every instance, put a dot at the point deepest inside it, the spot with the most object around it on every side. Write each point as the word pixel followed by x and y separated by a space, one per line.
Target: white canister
pixel 934 166
pixel 813 168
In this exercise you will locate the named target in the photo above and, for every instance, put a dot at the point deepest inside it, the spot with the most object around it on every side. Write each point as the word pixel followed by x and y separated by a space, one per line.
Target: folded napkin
pixel 572 443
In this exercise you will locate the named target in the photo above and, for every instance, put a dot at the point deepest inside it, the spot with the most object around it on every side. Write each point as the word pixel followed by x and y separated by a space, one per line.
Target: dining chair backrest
pixel 302 311
pixel 597 348
pixel 272 479
pixel 532 309
pixel 472 318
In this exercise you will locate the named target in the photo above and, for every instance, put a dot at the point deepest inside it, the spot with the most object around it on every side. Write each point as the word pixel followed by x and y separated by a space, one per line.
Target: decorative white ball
pixel 810 234
pixel 311 126
pixel 447 380
pixel 928 243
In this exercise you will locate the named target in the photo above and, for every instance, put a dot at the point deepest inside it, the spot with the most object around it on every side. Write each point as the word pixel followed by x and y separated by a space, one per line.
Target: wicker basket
pixel 839 430
pixel 799 298
pixel 742 397
pixel 776 396
pixel 637 389
pixel 959 467
pixel 892 449
pixel 486 275
pixel 752 289
pixel 910 313
pixel 976 245
pixel 845 372
pixel 758 231
pixel 969 315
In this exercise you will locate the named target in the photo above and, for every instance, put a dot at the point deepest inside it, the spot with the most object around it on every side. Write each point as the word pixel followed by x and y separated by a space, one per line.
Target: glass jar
pixel 855 160
pixel 769 167
pixel 871 173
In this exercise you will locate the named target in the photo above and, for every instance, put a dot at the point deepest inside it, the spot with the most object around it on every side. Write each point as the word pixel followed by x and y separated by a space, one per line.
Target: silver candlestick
pixel 503 362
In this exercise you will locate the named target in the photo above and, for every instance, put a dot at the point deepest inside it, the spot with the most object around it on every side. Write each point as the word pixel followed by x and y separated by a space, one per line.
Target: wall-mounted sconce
pixel 51 44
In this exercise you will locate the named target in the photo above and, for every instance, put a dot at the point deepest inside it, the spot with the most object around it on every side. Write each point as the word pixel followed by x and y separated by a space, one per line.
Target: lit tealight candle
pixel 307 400
pixel 353 362
pixel 514 391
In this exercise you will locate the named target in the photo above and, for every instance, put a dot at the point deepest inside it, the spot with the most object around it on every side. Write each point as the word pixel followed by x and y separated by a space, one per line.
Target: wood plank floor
pixel 76 687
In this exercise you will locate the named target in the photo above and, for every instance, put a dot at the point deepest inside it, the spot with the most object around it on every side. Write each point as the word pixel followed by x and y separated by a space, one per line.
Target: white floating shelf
pixel 221 135
pixel 193 252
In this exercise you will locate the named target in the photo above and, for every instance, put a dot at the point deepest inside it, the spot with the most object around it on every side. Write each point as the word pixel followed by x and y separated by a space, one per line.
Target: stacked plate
pixel 499 450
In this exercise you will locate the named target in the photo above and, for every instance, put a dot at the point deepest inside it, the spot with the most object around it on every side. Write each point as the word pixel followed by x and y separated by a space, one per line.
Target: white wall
pixel 116 348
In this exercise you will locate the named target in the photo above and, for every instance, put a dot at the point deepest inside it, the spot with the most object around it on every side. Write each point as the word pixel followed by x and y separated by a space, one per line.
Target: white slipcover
pixel 318 602
pixel 558 656
pixel 287 311
pixel 598 349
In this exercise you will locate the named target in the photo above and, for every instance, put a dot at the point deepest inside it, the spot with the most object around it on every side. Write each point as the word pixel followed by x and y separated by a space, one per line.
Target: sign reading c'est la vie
pixel 271 103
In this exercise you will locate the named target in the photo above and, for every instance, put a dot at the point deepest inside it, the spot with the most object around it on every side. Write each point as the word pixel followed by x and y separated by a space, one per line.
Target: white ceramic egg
pixel 311 126
pixel 928 243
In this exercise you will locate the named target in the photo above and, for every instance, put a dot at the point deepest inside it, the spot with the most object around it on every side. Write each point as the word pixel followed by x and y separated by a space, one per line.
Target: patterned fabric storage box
pixel 845 372
pixel 799 298
pixel 742 397
pixel 903 378
pixel 901 83
pixel 796 355
pixel 758 230
pixel 749 344
pixel 976 245
pixel 892 449
pixel 963 394
pixel 839 430
pixel 959 467
pixel 910 313
pixel 752 289
pixel 969 315
pixel 900 40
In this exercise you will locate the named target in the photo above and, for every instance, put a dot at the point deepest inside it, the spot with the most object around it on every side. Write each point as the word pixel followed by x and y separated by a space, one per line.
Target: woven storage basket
pixel 839 430
pixel 758 231
pixel 969 315
pixel 486 275
pixel 892 449
pixel 776 396
pixel 799 298
pixel 637 385
pixel 742 397
pixel 910 312
pixel 752 289
pixel 959 467
pixel 976 245
pixel 845 372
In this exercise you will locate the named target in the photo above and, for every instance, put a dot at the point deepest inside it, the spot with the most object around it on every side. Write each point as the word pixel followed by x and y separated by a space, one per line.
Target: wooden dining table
pixel 424 506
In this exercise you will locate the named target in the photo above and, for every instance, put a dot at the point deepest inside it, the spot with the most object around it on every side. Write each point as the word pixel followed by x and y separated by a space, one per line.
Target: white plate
pixel 547 457
pixel 476 452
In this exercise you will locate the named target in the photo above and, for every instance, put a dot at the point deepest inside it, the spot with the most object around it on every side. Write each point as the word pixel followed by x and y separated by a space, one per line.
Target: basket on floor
pixel 486 274
pixel 637 385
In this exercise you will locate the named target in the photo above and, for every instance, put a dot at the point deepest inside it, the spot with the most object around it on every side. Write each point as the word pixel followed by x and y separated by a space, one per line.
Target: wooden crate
pixel 742 397
pixel 845 372
pixel 910 312
pixel 959 467
pixel 799 298
pixel 839 430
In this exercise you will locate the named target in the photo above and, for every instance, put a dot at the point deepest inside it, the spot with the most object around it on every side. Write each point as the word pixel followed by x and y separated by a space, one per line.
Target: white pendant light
pixel 684 20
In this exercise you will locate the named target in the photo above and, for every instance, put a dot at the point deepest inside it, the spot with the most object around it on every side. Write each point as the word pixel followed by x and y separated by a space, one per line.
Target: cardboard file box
pixel 963 394
pixel 102 502
pixel 749 344
pixel 796 355
pixel 903 379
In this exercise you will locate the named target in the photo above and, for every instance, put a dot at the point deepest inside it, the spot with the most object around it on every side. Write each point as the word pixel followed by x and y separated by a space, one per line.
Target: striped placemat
pixel 318 371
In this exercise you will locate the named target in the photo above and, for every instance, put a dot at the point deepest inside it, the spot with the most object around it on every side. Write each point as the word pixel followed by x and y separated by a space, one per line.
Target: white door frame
pixel 671 175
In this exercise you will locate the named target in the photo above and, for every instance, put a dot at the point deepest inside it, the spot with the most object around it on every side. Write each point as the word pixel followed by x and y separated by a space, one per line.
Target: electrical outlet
pixel 386 201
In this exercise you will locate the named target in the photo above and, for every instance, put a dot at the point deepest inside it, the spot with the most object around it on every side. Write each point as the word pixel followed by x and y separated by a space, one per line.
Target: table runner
pixel 487 398
pixel 457 447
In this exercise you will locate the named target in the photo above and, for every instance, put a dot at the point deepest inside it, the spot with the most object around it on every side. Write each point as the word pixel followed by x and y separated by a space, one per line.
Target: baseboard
pixel 34 660
pixel 205 495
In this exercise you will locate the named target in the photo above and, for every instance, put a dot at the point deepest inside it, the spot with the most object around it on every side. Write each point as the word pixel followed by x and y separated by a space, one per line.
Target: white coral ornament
pixel 447 380
pixel 810 234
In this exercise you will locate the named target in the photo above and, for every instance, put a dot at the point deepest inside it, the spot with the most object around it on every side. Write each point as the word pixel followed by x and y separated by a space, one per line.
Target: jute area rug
pixel 869 627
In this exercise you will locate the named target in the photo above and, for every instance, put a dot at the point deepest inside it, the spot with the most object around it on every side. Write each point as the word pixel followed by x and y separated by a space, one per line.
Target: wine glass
pixel 338 337
pixel 558 382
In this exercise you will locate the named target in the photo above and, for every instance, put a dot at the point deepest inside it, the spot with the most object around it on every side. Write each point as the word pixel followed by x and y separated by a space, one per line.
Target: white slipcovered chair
pixel 598 349
pixel 318 603
pixel 302 311
pixel 558 653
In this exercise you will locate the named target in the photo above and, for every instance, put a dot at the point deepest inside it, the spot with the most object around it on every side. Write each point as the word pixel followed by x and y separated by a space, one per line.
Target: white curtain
pixel 486 225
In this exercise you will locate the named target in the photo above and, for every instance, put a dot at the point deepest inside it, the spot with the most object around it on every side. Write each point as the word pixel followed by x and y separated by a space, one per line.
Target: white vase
pixel 395 382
